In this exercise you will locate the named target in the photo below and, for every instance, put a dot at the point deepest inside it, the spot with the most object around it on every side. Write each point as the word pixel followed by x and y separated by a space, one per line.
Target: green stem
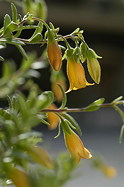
pixel 59 110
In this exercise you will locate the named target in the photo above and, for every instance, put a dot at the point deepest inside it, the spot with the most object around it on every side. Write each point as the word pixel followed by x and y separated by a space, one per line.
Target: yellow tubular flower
pixel 75 146
pixel 19 177
pixel 40 156
pixel 76 75
pixel 53 119
pixel 54 55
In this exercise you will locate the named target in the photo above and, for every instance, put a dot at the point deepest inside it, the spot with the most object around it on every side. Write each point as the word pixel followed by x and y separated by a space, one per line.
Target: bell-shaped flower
pixel 75 146
pixel 19 177
pixel 53 119
pixel 54 52
pixel 93 65
pixel 76 75
pixel 94 69
pixel 40 156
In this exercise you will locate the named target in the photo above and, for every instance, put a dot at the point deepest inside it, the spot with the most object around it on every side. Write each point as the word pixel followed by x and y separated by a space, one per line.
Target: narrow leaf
pixel 14 12
pixel 64 99
pixel 121 134
pixel 22 51
pixel 7 21
pixel 95 105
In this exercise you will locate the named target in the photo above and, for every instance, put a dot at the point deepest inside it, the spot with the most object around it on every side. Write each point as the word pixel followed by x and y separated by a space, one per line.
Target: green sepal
pixel 50 35
pixel 14 13
pixel 40 117
pixel 64 99
pixel 69 53
pixel 59 131
pixel 121 134
pixel 73 122
pixel 77 54
pixel 92 54
pixel 94 106
pixel 83 49
pixel 65 126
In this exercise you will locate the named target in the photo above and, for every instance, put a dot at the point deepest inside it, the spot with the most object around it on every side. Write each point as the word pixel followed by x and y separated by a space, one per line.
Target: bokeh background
pixel 103 25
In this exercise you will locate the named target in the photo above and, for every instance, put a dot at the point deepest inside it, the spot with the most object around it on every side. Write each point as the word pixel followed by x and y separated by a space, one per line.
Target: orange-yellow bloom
pixel 54 55
pixel 53 119
pixel 40 156
pixel 19 177
pixel 76 75
pixel 75 146
pixel 108 171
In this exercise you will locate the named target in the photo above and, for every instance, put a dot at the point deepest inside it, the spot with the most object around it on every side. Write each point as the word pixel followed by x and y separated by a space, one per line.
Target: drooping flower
pixel 75 146
pixel 54 52
pixel 19 177
pixel 40 156
pixel 53 119
pixel 76 75
pixel 94 69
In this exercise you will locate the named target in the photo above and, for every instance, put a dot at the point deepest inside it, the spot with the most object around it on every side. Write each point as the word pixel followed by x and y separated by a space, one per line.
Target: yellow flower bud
pixel 40 156
pixel 76 75
pixel 75 146
pixel 54 54
pixel 19 177
pixel 53 119
pixel 94 69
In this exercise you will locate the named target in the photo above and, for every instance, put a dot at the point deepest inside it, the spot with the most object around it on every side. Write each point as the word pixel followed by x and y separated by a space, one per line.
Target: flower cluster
pixel 74 56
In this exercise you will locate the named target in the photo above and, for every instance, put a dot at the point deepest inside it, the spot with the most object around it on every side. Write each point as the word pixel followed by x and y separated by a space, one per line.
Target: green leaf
pixel 37 38
pixel 8 69
pixel 11 41
pixel 121 134
pixel 1 58
pixel 119 111
pixel 92 54
pixel 14 12
pixel 22 51
pixel 7 21
pixel 73 122
pixel 38 30
pixel 44 100
pixel 95 105
pixel 76 30
pixel 117 99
